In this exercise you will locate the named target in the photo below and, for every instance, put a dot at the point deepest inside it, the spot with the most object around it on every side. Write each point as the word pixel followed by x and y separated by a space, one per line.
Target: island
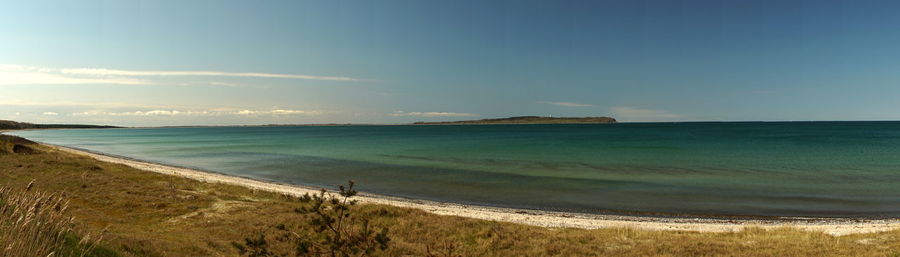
pixel 526 120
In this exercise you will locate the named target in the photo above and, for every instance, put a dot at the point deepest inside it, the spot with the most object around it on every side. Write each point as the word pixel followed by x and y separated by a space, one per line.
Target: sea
pixel 774 169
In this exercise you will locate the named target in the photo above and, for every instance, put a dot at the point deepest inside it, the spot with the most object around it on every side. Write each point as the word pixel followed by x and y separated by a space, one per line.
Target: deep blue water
pixel 836 169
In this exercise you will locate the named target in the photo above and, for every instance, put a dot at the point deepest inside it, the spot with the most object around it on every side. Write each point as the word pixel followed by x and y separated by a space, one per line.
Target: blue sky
pixel 145 63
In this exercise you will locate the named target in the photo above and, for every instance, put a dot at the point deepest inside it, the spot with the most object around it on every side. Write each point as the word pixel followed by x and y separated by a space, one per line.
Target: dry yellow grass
pixel 32 224
pixel 35 224
pixel 149 214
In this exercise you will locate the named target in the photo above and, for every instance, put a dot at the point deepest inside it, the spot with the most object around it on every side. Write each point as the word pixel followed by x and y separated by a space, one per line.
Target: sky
pixel 219 62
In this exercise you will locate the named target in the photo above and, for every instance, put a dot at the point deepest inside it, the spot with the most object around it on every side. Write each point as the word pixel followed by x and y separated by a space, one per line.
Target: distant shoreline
pixel 477 124
pixel 499 121
pixel 834 226
pixel 527 120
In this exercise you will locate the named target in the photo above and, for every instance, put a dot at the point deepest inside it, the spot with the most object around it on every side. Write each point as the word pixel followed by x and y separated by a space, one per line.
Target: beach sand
pixel 530 217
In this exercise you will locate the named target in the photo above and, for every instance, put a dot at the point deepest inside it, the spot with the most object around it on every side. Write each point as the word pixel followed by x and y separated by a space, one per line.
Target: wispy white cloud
pixel 566 104
pixel 638 114
pixel 25 75
pixel 277 112
pixel 92 104
pixel 144 113
pixel 216 83
pixel 198 113
pixel 13 74
pixel 125 109
pixel 140 73
pixel 49 113
pixel 433 114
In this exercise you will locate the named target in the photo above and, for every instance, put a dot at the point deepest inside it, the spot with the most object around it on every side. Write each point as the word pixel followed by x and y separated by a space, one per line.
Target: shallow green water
pixel 753 168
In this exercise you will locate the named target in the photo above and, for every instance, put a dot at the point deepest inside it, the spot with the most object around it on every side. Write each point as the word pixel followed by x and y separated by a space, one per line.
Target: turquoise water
pixel 835 169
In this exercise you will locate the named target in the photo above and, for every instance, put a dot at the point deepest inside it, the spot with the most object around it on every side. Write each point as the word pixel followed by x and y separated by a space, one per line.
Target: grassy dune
pixel 148 214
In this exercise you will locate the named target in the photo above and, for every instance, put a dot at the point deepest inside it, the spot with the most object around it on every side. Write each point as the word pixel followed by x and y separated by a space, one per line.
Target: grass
pixel 148 214
pixel 36 224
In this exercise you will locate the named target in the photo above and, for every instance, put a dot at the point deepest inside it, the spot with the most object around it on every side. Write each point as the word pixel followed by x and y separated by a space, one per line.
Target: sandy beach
pixel 837 226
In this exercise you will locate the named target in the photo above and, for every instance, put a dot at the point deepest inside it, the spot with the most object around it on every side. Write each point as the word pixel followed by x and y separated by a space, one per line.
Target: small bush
pixel 336 230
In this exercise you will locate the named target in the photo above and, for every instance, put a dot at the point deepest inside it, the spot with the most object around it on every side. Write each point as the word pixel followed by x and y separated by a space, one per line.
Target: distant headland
pixel 526 120
pixel 8 124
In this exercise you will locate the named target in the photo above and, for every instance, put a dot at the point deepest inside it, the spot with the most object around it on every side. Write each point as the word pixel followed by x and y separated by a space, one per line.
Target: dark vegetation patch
pixel 17 145
pixel 23 149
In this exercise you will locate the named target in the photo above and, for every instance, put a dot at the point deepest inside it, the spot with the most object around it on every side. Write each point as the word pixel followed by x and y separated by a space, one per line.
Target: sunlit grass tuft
pixel 35 224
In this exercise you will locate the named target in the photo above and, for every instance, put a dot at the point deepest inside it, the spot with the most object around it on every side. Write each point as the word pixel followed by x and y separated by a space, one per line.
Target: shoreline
pixel 541 218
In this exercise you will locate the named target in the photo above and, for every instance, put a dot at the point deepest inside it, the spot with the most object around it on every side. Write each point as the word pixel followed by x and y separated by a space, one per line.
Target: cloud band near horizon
pixel 432 114
pixel 14 74
pixel 566 104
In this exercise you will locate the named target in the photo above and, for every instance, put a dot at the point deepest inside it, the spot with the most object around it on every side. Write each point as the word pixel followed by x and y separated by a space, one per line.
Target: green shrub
pixel 336 230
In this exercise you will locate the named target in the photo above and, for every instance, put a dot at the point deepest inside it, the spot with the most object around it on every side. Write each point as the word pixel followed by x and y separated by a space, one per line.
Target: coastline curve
pixel 553 219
